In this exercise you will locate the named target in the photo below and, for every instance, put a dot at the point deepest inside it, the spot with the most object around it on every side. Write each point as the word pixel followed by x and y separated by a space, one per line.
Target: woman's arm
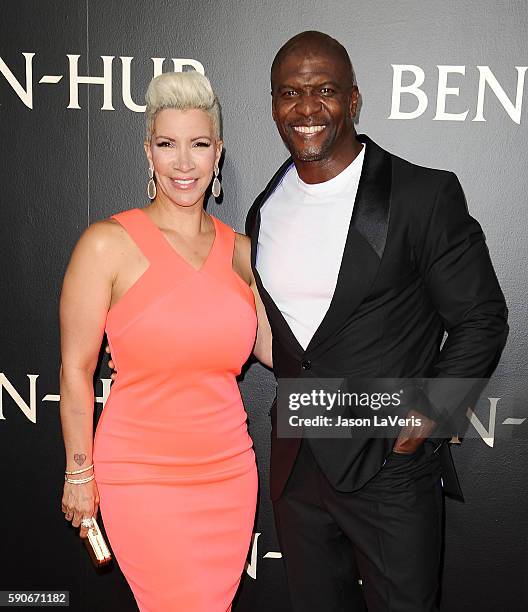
pixel 263 344
pixel 242 260
pixel 85 300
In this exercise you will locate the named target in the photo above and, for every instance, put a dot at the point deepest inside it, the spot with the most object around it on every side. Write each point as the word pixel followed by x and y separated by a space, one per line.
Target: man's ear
pixel 354 99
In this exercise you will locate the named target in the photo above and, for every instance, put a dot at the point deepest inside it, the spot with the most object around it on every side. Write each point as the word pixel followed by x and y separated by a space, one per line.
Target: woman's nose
pixel 183 161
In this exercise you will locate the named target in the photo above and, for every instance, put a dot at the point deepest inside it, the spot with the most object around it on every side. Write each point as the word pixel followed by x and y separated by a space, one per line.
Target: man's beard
pixel 311 152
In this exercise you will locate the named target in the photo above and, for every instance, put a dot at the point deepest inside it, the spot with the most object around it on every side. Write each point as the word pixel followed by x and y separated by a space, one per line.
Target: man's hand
pixel 411 436
pixel 111 363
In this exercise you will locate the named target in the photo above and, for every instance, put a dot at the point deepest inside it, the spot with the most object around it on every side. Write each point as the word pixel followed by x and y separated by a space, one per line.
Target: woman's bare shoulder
pixel 104 241
pixel 104 234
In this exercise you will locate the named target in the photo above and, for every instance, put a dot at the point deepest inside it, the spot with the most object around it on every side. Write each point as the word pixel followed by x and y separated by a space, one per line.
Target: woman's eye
pixel 202 144
pixel 164 143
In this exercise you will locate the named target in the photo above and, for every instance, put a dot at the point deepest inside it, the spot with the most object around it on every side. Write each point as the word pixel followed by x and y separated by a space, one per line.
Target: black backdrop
pixel 64 167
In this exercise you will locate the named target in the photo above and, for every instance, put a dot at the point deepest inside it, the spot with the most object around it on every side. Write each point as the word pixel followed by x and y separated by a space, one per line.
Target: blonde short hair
pixel 182 91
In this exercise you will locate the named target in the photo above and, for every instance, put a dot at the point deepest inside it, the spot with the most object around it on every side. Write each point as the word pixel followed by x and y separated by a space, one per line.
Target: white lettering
pixel 30 410
pixel 251 565
pixel 106 384
pixel 413 89
pixel 105 81
pixel 331 400
pixel 444 91
pixel 179 65
pixel 26 95
pixel 487 77
pixel 487 435
pixel 125 89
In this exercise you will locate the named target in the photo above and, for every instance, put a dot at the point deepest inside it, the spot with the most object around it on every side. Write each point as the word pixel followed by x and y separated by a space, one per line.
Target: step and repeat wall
pixel 442 84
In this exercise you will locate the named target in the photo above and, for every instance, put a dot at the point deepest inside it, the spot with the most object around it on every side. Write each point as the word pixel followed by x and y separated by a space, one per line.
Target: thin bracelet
pixel 79 480
pixel 80 471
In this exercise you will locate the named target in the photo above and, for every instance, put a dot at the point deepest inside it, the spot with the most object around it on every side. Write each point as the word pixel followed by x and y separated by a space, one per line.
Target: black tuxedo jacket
pixel 415 264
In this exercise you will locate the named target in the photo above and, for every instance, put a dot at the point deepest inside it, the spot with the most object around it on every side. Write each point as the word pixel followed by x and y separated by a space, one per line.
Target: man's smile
pixel 309 129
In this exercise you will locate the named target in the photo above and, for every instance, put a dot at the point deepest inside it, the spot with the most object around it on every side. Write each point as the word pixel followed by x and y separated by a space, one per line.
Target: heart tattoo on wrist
pixel 79 458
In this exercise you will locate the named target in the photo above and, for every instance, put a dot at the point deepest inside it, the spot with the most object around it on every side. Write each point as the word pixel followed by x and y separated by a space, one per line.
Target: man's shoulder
pixel 413 170
pixel 406 173
pixel 274 181
pixel 416 188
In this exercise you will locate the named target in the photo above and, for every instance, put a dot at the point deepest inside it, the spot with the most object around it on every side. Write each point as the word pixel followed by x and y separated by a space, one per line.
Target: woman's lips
pixel 184 183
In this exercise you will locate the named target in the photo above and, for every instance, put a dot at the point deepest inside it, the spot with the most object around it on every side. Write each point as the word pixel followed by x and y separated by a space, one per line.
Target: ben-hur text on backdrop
pixel 409 85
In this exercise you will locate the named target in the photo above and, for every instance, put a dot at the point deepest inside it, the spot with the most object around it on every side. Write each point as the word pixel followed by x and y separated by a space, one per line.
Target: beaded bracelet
pixel 80 471
pixel 79 480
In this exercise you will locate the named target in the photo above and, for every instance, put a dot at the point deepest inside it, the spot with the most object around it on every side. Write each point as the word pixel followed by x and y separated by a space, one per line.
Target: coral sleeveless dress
pixel 173 460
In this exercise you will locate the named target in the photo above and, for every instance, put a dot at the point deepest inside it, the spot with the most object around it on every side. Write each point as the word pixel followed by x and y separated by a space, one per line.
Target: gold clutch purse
pixel 95 543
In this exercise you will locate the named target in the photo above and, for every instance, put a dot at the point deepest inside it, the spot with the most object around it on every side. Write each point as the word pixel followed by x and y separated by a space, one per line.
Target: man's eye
pixel 290 93
pixel 327 91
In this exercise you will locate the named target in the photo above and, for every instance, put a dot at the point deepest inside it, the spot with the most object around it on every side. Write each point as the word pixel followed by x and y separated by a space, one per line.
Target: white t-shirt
pixel 301 241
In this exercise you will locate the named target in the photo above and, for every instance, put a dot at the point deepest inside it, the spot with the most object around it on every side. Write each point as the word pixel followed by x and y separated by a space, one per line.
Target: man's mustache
pixel 309 123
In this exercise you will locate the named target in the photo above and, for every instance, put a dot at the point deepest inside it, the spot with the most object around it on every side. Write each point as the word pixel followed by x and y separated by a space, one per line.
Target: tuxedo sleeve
pixel 461 283
pixel 251 216
pixel 250 221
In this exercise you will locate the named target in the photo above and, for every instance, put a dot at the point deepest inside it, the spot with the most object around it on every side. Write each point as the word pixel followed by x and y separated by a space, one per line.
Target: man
pixel 363 260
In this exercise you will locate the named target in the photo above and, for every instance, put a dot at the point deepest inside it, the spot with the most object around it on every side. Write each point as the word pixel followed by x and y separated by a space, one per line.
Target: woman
pixel 173 464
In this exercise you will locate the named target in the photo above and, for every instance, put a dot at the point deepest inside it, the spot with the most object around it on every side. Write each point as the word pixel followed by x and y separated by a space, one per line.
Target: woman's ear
pixel 148 153
pixel 219 147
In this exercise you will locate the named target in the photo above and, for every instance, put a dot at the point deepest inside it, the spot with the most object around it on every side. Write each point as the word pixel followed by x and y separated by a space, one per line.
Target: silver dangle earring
pixel 217 187
pixel 151 187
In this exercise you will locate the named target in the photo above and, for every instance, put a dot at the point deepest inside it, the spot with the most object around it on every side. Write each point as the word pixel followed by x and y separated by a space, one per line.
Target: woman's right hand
pixel 80 501
pixel 111 364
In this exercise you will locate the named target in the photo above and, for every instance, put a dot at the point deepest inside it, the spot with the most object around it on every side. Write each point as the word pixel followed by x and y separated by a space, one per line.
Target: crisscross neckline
pixel 176 253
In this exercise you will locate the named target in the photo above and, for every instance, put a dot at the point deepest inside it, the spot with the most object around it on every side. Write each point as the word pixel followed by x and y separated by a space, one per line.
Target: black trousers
pixel 388 535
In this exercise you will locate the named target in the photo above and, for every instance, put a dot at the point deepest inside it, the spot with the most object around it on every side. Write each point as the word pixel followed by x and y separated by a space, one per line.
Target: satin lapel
pixel 281 327
pixel 253 228
pixel 365 242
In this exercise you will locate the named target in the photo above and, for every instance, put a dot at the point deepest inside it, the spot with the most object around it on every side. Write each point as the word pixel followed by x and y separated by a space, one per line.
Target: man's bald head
pixel 312 43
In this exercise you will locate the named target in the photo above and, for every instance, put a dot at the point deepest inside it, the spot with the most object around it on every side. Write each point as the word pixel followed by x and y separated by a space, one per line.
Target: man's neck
pixel 319 171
